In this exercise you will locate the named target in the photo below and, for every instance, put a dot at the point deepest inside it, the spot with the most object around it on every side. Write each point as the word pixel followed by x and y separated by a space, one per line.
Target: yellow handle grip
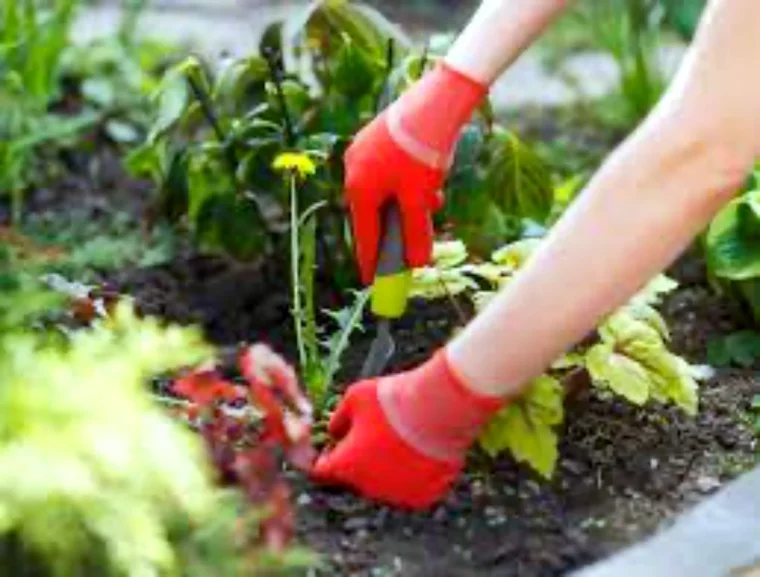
pixel 393 279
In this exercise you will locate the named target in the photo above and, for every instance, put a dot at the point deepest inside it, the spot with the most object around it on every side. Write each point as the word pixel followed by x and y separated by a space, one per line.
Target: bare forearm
pixel 640 211
pixel 637 215
pixel 498 33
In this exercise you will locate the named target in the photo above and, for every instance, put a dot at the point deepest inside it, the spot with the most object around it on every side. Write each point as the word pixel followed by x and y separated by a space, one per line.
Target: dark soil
pixel 623 473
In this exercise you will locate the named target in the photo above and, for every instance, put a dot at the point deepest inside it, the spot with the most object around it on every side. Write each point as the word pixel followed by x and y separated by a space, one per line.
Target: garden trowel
pixel 389 292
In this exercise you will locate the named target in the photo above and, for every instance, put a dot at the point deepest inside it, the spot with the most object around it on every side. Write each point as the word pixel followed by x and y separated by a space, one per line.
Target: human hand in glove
pixel 402 439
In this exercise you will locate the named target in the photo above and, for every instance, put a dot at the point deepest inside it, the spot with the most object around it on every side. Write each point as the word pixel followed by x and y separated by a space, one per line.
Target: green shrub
pixel 318 77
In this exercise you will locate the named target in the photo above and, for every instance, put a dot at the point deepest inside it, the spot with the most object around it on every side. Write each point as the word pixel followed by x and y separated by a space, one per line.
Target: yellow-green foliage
pixel 630 358
pixel 95 477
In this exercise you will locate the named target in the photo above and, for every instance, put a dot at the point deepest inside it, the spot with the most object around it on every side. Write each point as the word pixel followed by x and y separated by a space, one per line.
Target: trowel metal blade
pixel 380 352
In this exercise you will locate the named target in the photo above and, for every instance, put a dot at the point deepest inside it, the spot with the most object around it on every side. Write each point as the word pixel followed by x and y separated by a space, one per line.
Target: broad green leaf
pixel 649 315
pixel 323 21
pixel 354 73
pixel 525 428
pixel 237 228
pixel 667 375
pixel 732 244
pixel 518 180
pixel 544 401
pixel 652 293
pixel 238 81
pixel 433 283
pixel 448 254
pixel 741 348
pixel 569 361
pixel 621 374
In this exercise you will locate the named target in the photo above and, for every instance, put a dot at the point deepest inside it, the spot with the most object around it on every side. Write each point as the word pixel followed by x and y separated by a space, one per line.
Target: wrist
pixel 433 410
pixel 427 120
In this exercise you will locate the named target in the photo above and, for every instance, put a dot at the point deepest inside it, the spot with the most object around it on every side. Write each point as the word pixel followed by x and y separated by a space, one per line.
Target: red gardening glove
pixel 404 155
pixel 403 439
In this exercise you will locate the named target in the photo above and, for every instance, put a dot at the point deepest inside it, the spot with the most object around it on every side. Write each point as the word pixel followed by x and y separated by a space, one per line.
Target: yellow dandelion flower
pixel 296 162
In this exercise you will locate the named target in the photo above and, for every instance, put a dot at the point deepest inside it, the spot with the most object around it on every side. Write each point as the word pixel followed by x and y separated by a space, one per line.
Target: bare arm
pixel 645 205
pixel 498 33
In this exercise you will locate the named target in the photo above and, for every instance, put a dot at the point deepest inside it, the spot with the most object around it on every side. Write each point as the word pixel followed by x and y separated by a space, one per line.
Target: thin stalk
pixel 17 203
pixel 295 273
pixel 208 111
pixel 453 302
pixel 274 73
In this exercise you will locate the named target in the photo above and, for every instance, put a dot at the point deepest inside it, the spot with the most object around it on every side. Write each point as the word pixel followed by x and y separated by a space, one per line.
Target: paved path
pixel 720 537
pixel 234 26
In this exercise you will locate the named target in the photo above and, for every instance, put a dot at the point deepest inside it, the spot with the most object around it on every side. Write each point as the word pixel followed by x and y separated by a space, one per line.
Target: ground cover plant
pixel 628 355
pixel 101 480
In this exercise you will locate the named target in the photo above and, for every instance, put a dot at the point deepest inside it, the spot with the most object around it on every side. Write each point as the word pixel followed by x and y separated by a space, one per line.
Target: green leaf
pixel 448 254
pixel 525 427
pixel 122 132
pixel 652 293
pixel 741 348
pixel 621 374
pixel 236 222
pixel 173 97
pixel 514 255
pixel 733 239
pixel 633 355
pixel 324 21
pixel 519 182
pixel 176 190
pixel 649 315
pixel 240 83
pixel 354 73
pixel 684 16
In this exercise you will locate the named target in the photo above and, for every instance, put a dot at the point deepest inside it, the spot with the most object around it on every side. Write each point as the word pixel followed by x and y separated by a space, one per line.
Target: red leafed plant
pixel 250 429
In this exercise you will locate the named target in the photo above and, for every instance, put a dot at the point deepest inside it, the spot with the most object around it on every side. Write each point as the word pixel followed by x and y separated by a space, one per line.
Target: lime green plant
pixel 98 480
pixel 628 356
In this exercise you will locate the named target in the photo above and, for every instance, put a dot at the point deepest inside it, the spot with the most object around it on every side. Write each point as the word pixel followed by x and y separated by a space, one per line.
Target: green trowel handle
pixel 390 290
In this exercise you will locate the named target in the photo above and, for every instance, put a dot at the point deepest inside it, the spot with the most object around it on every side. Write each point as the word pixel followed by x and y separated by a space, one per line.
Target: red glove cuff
pixel 432 410
pixel 426 121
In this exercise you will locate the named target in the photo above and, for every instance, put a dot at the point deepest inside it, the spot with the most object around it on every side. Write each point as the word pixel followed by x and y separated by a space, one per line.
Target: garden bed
pixel 623 472
pixel 185 205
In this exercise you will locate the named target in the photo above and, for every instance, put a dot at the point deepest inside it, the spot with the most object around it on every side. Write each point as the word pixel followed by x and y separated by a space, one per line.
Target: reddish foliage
pixel 248 452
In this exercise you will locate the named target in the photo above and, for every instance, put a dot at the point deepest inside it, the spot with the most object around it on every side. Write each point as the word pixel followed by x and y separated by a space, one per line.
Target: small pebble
pixel 440 515
pixel 356 523
pixel 707 483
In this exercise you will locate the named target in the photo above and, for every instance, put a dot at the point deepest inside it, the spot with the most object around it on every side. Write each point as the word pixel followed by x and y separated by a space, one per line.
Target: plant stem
pixel 295 274
pixel 17 203
pixel 453 302
pixel 208 111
